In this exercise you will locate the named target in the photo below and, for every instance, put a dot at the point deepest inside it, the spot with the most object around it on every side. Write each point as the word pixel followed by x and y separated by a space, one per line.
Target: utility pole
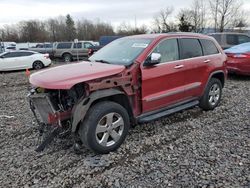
pixel 135 22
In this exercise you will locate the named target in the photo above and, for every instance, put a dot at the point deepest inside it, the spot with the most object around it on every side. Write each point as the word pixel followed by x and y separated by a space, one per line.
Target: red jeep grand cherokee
pixel 132 80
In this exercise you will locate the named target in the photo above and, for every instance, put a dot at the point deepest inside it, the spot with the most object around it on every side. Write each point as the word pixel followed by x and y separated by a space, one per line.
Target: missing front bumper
pixel 41 104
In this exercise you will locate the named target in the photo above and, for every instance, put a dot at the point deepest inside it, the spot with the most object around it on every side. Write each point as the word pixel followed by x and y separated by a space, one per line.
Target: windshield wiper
pixel 102 61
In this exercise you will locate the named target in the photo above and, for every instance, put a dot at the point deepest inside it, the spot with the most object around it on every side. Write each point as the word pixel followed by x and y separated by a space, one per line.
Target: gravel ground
pixel 188 149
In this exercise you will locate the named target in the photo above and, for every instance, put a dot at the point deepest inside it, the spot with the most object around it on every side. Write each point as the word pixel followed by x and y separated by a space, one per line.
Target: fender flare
pixel 210 76
pixel 81 108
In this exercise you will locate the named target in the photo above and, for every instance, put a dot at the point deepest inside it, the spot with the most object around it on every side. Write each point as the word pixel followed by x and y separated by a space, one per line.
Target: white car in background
pixel 19 60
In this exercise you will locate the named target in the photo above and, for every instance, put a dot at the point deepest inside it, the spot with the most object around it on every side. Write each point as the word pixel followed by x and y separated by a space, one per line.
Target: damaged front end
pixel 52 110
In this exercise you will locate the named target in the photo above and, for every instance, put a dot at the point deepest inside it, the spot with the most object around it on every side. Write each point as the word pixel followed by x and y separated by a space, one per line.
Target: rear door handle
pixel 207 61
pixel 179 66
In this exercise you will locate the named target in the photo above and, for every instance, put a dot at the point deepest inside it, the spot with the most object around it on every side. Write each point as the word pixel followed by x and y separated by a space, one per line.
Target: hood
pixel 66 76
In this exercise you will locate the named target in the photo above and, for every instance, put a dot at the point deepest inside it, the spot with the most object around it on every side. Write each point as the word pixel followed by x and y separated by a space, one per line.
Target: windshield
pixel 121 51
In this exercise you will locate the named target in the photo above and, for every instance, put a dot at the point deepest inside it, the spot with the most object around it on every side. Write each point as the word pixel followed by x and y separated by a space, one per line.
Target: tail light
pixel 46 56
pixel 243 55
pixel 90 52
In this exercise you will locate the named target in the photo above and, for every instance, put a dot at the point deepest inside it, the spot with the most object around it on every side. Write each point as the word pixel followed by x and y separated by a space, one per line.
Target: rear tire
pixel 37 65
pixel 212 95
pixel 67 58
pixel 105 127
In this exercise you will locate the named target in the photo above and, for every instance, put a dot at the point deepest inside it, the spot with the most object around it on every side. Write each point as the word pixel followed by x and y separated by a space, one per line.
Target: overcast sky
pixel 111 11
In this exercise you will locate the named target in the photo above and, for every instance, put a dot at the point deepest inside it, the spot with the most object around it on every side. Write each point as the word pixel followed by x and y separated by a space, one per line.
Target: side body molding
pixel 81 108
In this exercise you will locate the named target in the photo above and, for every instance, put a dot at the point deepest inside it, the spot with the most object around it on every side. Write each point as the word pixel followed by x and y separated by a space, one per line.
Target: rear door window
pixel 64 45
pixel 190 48
pixel 23 54
pixel 168 49
pixel 209 47
pixel 78 45
pixel 11 55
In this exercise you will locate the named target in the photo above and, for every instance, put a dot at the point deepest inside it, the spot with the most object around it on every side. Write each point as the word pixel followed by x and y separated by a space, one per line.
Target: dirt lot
pixel 189 149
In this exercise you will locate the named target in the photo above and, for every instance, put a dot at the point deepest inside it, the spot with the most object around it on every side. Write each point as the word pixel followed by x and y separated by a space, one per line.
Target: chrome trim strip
pixel 164 95
pixel 193 86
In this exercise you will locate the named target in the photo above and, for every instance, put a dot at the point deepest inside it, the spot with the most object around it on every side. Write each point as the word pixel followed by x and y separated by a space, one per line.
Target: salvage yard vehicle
pixel 44 48
pixel 70 51
pixel 228 40
pixel 239 59
pixel 20 60
pixel 132 80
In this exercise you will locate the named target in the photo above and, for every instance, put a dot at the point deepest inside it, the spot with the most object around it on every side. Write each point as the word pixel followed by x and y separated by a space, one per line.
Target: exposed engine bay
pixel 54 107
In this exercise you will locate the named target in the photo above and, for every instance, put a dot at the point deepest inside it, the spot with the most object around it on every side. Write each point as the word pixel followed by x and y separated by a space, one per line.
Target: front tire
pixel 105 127
pixel 67 58
pixel 212 95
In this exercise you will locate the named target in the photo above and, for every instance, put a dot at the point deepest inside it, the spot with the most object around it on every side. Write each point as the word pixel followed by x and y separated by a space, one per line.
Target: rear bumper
pixel 47 62
pixel 238 66
pixel 236 70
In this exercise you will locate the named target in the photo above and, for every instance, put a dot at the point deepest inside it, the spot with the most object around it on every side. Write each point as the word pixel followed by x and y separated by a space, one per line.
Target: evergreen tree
pixel 184 25
pixel 70 28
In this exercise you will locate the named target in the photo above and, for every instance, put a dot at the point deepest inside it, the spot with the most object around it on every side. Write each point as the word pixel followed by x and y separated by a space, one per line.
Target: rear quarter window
pixel 209 48
pixel 190 48
pixel 243 39
pixel 64 45
pixel 217 37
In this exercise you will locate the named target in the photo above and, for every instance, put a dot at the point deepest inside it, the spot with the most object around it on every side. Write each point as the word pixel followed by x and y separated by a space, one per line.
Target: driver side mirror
pixel 153 59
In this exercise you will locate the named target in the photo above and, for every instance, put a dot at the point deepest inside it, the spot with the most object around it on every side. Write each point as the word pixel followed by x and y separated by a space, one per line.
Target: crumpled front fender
pixel 81 108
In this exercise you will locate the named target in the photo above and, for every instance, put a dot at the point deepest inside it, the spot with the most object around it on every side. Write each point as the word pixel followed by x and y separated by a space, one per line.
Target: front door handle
pixel 207 61
pixel 179 66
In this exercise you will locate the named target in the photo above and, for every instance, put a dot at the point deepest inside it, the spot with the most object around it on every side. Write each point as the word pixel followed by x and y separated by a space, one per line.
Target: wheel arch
pixel 81 108
pixel 217 74
pixel 220 75
pixel 37 61
pixel 66 52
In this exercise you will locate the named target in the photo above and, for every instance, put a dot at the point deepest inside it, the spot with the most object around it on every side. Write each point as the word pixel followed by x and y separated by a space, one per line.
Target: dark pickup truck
pixel 44 48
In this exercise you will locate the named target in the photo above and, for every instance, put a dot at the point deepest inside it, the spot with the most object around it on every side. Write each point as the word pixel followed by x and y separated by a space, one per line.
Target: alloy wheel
pixel 109 129
pixel 214 94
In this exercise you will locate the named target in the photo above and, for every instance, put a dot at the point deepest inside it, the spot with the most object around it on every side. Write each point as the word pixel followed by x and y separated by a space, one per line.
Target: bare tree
pixel 9 33
pixel 162 20
pixel 126 29
pixel 88 30
pixel 225 12
pixel 198 12
pixel 33 31
pixel 214 6
pixel 195 15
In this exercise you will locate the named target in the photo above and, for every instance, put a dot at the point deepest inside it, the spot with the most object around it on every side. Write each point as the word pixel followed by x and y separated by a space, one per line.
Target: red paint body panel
pixel 163 85
pixel 66 76
pixel 238 65
pixel 153 87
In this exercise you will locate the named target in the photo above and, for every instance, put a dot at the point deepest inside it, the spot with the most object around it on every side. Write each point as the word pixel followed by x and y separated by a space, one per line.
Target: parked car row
pixel 67 51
